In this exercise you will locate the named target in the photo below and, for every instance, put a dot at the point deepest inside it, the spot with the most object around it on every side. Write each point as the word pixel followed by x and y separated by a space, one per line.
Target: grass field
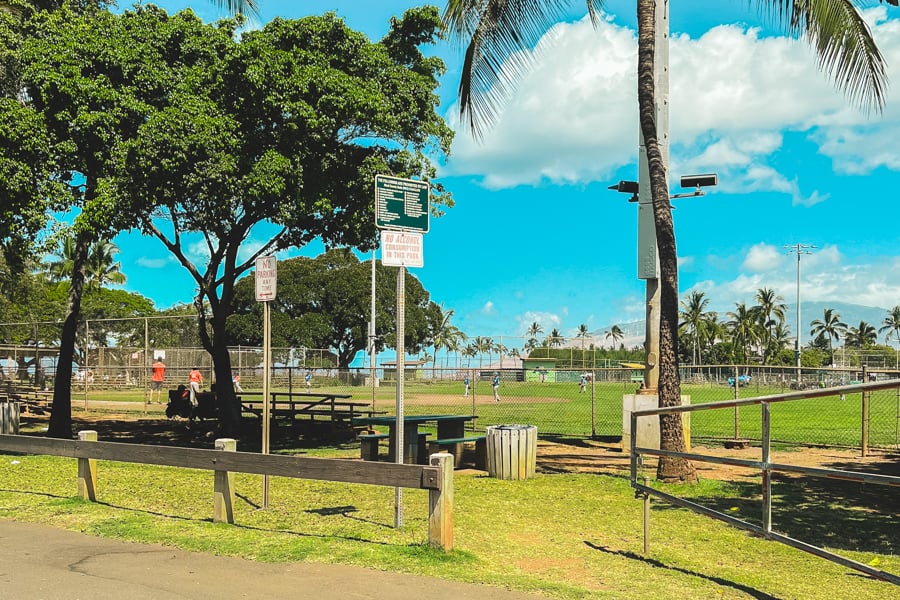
pixel 561 409
pixel 570 536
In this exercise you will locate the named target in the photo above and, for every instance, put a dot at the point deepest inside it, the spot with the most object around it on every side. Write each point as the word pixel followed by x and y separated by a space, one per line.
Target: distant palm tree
pixel 535 329
pixel 556 338
pixel 831 326
pixel 100 269
pixel 770 310
pixel 445 335
pixel 530 344
pixel 482 345
pixel 744 329
pixel 861 336
pixel 694 321
pixel 615 334
pixel 891 325
pixel 584 334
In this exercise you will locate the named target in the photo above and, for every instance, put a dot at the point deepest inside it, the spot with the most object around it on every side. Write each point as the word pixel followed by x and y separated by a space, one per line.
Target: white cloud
pixel 547 320
pixel 763 257
pixel 826 275
pixel 488 308
pixel 154 263
pixel 733 95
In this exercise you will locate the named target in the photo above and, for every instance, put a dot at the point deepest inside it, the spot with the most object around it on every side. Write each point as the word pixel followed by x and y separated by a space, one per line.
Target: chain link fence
pixel 578 403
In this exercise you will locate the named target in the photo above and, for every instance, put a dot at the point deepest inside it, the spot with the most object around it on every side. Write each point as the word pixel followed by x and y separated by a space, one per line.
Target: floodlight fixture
pixel 627 187
pixel 698 181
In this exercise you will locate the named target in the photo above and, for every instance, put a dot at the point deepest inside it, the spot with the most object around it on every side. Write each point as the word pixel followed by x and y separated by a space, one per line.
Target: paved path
pixel 44 563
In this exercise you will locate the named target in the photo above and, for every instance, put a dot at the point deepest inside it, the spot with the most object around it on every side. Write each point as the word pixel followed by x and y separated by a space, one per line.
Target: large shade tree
pixel 500 35
pixel 276 139
pixel 324 302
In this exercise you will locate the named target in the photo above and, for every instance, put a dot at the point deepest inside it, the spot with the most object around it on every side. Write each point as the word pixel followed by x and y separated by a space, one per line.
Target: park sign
pixel 266 278
pixel 401 204
pixel 401 249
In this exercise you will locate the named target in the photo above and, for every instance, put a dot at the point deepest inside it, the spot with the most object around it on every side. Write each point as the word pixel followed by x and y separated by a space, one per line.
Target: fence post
pixel 87 469
pixel 440 504
pixel 223 495
pixel 864 442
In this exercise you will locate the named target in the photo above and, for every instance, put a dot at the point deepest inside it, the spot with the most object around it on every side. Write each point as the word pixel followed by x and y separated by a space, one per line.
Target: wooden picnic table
pixel 336 408
pixel 414 452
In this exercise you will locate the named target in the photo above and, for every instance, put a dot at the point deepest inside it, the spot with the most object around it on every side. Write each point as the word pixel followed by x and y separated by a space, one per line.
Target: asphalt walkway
pixel 38 562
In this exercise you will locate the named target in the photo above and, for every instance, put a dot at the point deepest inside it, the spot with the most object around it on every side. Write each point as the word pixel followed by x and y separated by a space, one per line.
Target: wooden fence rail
pixel 437 477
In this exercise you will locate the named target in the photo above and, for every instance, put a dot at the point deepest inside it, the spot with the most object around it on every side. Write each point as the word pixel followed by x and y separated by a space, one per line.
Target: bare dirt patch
pixel 589 456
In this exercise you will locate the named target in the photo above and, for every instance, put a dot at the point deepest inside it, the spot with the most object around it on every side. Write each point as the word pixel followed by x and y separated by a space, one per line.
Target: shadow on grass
pixel 752 592
pixel 836 514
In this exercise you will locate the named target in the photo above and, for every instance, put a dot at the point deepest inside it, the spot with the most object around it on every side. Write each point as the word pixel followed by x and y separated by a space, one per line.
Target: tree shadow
pixel 830 513
pixel 750 591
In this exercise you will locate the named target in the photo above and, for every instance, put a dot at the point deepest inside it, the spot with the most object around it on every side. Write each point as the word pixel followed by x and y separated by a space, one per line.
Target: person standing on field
pixel 308 380
pixel 156 381
pixel 196 380
pixel 496 385
pixel 466 384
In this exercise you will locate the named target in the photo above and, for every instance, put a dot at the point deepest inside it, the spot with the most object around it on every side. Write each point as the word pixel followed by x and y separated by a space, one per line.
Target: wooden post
pixel 223 495
pixel 440 504
pixel 87 470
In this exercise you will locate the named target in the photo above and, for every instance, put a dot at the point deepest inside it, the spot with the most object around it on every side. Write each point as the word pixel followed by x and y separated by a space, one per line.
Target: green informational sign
pixel 401 203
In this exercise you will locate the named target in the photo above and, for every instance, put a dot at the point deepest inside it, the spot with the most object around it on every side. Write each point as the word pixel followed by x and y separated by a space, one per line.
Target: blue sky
pixel 536 236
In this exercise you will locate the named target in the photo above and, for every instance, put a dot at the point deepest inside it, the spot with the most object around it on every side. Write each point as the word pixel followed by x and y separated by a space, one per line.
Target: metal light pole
pixel 798 249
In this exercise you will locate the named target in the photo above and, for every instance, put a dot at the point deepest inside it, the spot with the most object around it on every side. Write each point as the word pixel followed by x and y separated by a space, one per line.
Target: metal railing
pixel 766 467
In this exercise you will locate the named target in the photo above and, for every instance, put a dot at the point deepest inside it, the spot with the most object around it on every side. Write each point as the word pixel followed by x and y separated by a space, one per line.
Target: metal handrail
pixel 765 466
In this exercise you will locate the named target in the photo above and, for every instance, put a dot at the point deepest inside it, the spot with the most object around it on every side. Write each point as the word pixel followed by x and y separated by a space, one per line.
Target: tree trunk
pixel 669 390
pixel 61 415
pixel 229 405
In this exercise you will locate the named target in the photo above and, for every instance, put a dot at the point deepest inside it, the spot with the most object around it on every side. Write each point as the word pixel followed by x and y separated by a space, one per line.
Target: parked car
pixel 743 380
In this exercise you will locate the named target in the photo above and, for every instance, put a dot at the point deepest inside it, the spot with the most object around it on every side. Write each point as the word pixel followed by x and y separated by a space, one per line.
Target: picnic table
pixel 337 409
pixel 451 432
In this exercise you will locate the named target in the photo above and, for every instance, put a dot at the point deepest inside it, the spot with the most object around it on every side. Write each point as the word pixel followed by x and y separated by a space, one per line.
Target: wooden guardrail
pixel 436 477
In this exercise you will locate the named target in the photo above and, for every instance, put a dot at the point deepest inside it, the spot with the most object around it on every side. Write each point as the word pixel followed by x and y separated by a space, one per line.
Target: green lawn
pixel 567 536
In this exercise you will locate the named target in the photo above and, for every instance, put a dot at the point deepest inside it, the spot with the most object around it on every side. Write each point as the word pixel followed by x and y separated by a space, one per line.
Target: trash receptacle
pixel 9 417
pixel 511 451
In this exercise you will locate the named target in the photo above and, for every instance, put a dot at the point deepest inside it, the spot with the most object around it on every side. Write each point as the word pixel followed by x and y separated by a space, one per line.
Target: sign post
pixel 402 210
pixel 266 280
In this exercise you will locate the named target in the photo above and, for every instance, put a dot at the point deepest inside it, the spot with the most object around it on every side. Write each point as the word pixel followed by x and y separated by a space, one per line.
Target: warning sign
pixel 401 249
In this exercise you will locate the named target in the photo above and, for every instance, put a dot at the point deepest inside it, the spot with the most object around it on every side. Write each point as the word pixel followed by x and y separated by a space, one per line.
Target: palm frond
pixel 843 44
pixel 501 35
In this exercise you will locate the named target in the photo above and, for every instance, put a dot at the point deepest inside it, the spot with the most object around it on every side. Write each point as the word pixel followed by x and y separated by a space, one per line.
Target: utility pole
pixel 799 250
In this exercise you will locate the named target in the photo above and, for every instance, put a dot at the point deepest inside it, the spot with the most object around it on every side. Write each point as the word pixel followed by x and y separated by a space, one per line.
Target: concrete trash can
pixel 511 451
pixel 9 417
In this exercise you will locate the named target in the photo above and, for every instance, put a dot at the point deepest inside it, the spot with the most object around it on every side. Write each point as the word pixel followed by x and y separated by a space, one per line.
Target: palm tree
pixel 694 320
pixel 534 329
pixel 445 335
pixel 744 329
pixel 770 310
pixel 482 345
pixel 615 334
pixel 583 333
pixel 831 326
pixel 556 338
pixel 101 266
pixel 891 325
pixel 861 336
pixel 495 30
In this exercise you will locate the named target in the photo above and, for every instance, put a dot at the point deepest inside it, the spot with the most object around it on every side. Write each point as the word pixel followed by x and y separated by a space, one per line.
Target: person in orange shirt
pixel 156 382
pixel 195 379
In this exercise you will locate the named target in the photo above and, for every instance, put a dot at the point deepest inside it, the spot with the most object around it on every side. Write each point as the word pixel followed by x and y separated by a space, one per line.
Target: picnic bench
pixel 451 435
pixel 31 401
pixel 304 410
